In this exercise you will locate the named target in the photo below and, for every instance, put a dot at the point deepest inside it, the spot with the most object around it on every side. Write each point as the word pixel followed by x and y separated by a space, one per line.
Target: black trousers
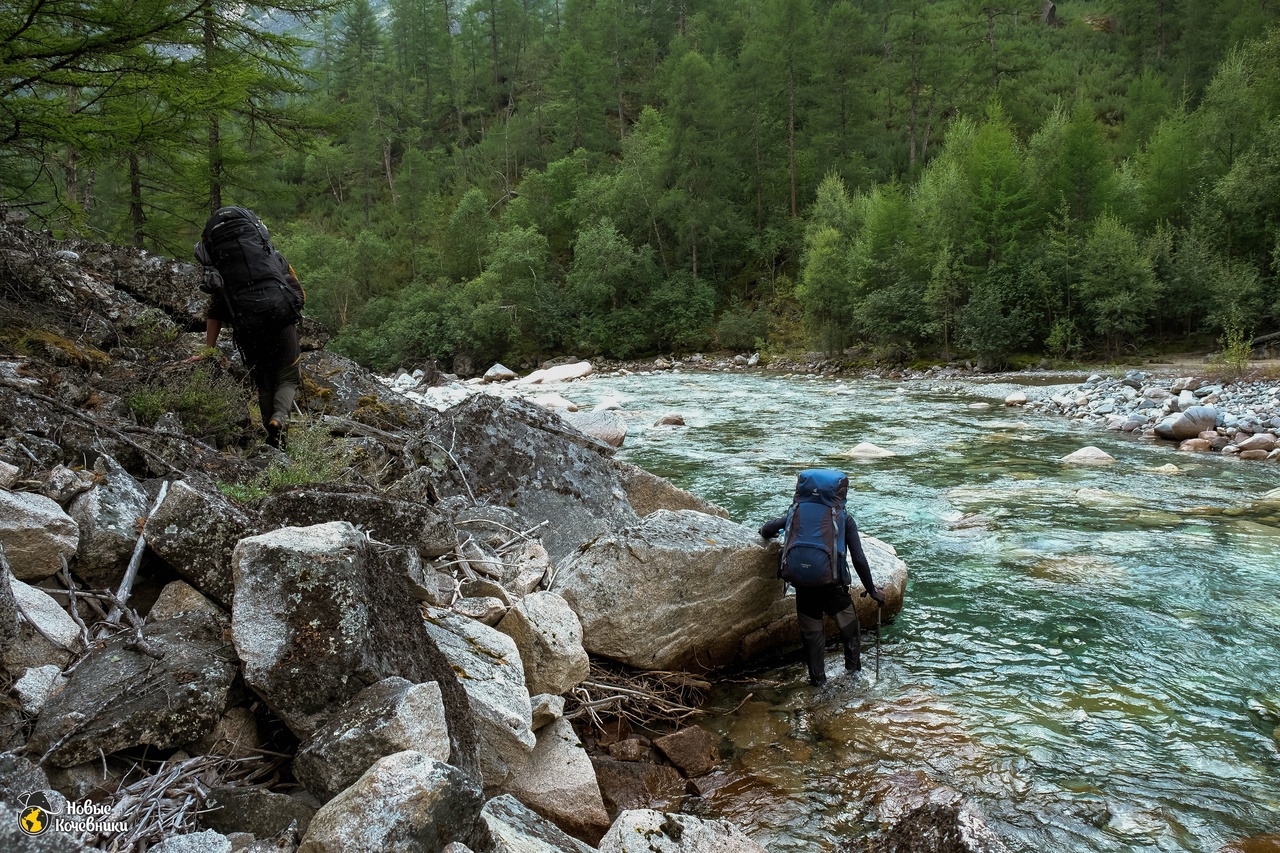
pixel 273 364
pixel 812 603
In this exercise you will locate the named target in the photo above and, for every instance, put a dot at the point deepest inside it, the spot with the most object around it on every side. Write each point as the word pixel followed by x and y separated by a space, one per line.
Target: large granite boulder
pixel 649 492
pixel 391 716
pixel 107 515
pixel 559 783
pixel 195 530
pixel 647 831
pixel 549 636
pixel 677 591
pixel 167 692
pixel 515 828
pixel 407 802
pixel 1188 423
pixel 489 668
pixel 318 617
pixel 513 453
pixel 36 534
pixel 393 522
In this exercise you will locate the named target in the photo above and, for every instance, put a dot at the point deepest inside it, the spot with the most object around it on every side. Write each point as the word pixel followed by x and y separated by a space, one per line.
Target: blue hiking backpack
pixel 813 545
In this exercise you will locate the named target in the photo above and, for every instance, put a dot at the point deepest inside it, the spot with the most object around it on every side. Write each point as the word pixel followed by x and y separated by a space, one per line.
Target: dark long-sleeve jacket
pixel 852 542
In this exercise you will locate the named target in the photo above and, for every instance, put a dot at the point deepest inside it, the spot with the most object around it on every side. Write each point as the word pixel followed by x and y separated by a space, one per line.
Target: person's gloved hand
pixel 876 593
pixel 766 535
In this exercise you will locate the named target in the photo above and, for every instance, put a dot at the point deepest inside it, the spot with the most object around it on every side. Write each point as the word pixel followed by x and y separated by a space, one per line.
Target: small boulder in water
pixel 1089 456
pixel 670 419
pixel 1017 398
pixel 867 450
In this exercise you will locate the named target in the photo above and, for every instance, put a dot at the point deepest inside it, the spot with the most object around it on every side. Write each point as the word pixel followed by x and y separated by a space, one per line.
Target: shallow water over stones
pixel 1087 652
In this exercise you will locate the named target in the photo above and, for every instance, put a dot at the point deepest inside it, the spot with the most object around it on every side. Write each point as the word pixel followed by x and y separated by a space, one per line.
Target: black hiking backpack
pixel 253 279
pixel 813 544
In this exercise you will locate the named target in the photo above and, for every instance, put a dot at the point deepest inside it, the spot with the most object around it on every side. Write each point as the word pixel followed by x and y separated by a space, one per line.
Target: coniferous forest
pixel 512 179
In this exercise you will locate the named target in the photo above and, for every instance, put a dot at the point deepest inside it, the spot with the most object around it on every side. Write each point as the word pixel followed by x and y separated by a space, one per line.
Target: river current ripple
pixel 1090 654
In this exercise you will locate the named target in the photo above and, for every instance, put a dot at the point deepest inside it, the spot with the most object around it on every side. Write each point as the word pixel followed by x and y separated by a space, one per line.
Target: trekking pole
pixel 878 609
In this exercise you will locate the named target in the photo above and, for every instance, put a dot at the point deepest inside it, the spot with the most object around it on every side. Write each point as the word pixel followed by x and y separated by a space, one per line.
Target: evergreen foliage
pixel 510 180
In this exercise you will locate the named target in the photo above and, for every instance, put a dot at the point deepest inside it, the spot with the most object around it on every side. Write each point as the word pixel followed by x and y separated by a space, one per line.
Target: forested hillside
pixel 511 179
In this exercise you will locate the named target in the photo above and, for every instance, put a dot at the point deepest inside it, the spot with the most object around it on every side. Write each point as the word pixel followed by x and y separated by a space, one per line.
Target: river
pixel 1091 654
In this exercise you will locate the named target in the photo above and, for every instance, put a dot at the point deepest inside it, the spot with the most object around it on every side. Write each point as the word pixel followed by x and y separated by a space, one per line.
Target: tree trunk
pixel 215 136
pixel 136 215
pixel 791 137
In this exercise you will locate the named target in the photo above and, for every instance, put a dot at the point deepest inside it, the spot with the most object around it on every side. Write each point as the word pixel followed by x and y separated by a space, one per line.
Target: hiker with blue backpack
pixel 818 531
pixel 255 290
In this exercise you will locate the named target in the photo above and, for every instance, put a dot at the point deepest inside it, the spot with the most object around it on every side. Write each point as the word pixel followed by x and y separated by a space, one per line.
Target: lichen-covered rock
pixel 515 828
pixel 488 666
pixel 318 617
pixel 647 831
pixel 522 456
pixel 247 808
pixel 36 534
pixel 405 802
pixel 705 583
pixel 559 783
pixel 386 520
pixel 549 636
pixel 108 516
pixel 391 716
pixel 195 530
pixel 207 841
pixel 179 597
pixel 171 699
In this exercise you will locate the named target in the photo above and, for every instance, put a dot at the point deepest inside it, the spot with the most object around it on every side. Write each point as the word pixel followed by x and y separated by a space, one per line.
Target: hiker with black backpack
pixel 818 532
pixel 255 290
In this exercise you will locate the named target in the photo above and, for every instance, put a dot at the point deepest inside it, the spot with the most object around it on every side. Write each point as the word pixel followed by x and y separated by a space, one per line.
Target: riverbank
pixel 1194 406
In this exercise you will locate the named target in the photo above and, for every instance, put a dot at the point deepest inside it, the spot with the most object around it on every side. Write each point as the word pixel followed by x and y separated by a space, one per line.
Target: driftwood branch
pixel 1264 339
pixel 131 573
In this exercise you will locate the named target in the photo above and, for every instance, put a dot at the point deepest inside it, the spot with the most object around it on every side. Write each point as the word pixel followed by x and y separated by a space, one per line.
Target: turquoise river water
pixel 1091 654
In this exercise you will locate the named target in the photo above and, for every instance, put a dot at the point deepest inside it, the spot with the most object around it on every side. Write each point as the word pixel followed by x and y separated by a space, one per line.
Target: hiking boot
pixel 275 433
pixel 817 681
